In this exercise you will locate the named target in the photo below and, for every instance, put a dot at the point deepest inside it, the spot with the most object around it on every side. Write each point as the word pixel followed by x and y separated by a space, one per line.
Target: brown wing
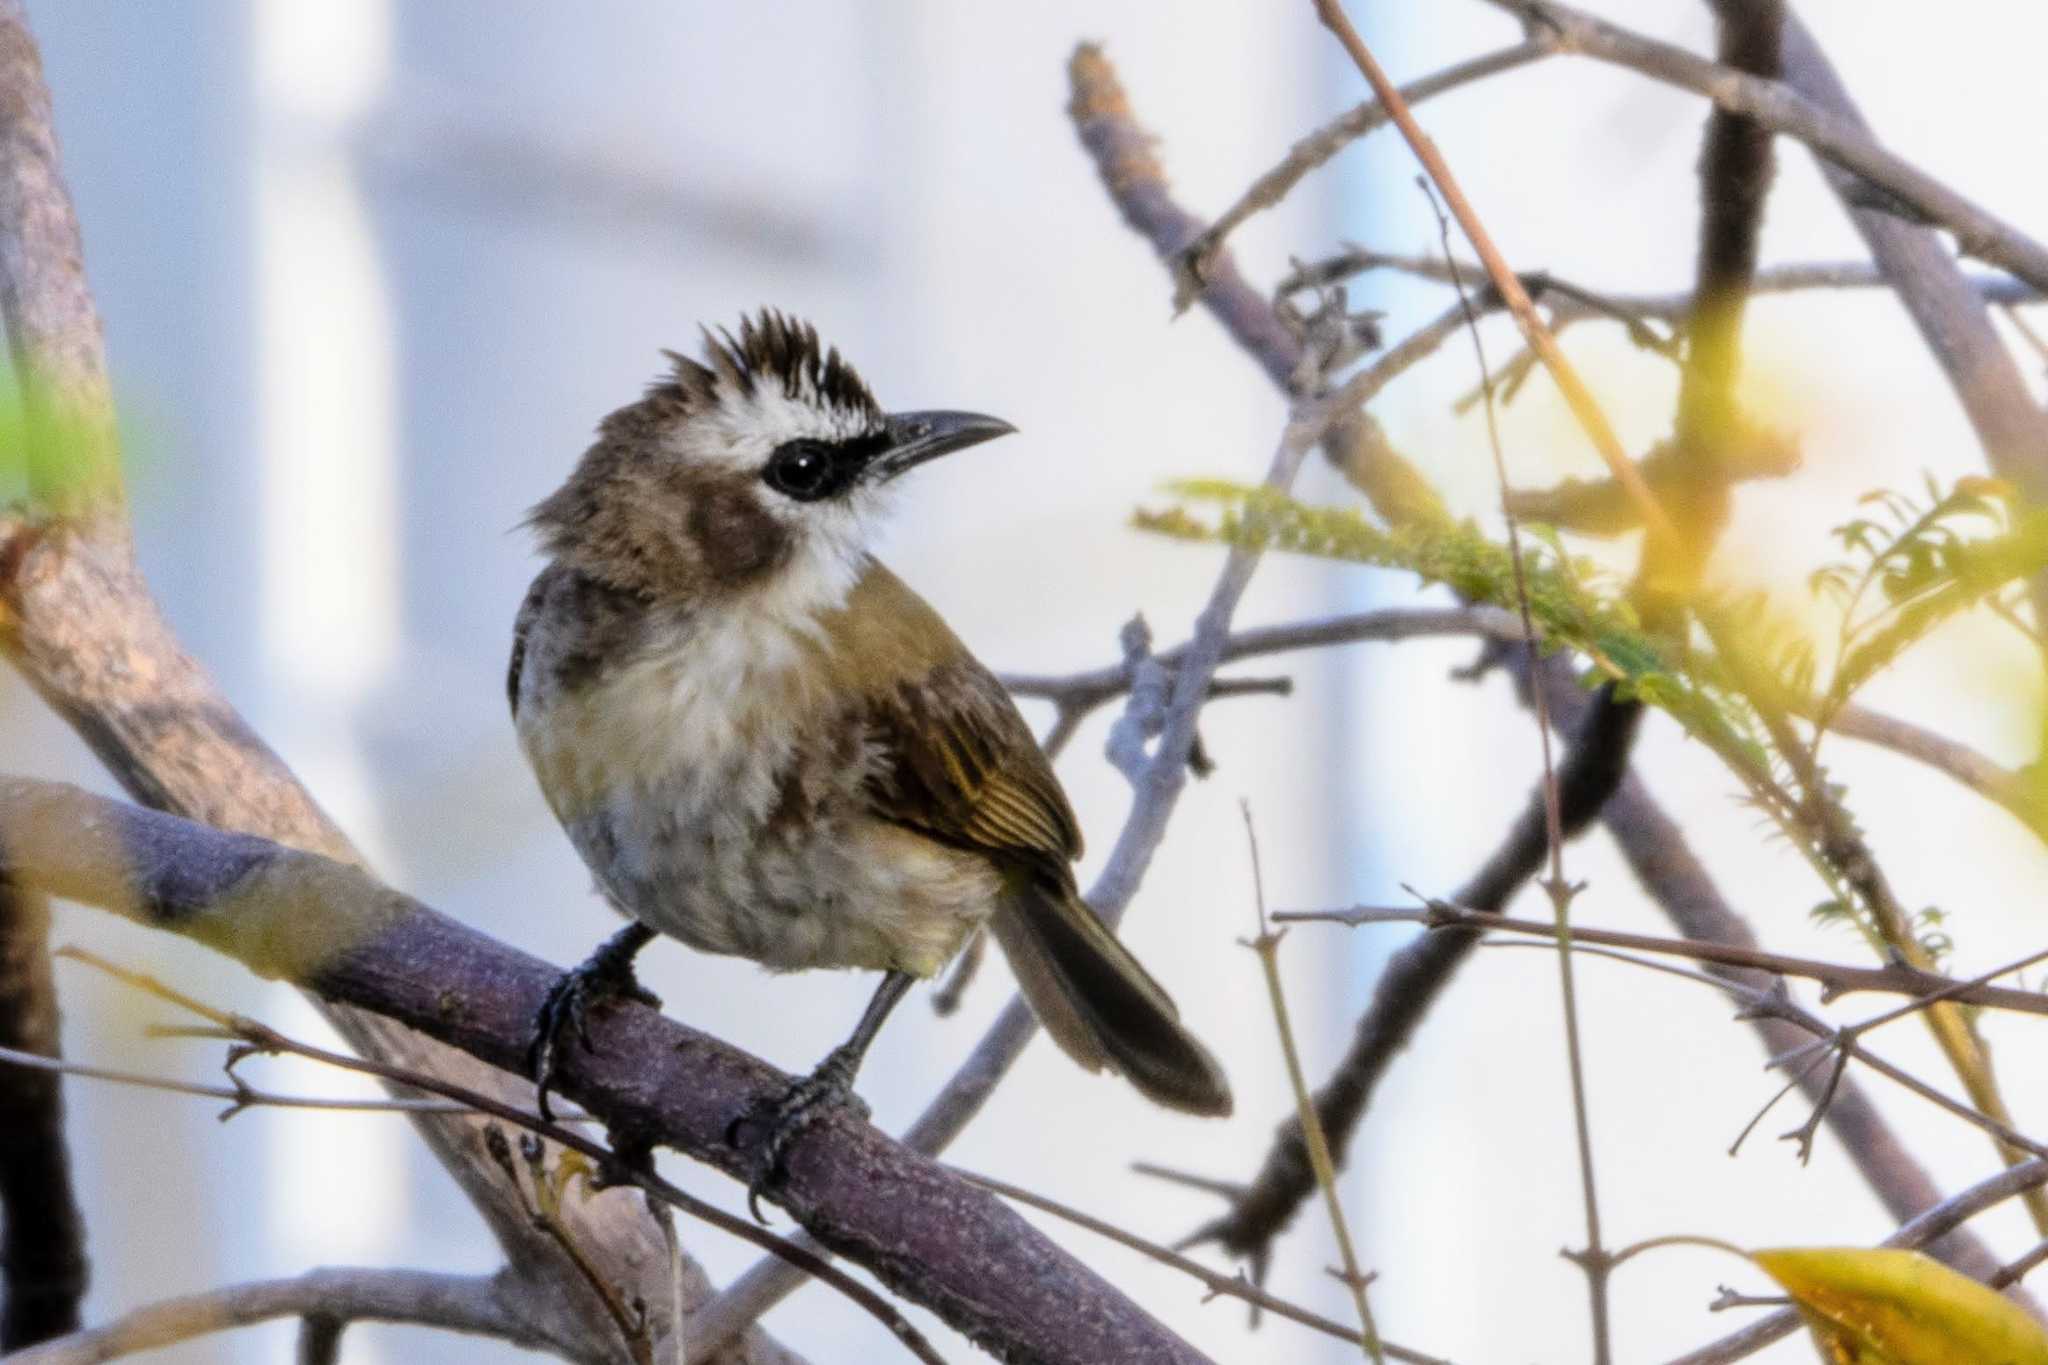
pixel 528 609
pixel 963 768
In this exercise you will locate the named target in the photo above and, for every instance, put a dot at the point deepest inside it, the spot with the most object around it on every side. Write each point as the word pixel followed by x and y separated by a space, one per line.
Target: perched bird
pixel 763 743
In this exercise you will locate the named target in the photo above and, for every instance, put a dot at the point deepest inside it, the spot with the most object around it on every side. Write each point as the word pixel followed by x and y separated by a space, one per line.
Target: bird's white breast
pixel 714 783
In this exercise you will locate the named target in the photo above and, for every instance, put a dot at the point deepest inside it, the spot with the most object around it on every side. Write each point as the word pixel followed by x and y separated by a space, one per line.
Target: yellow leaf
pixel 1887 1307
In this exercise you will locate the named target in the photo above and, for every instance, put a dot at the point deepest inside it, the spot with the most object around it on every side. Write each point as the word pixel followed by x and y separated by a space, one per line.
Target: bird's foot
pixel 770 1129
pixel 605 977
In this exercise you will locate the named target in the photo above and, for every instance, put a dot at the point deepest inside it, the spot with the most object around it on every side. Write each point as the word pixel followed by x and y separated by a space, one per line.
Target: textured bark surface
pixel 79 623
pixel 335 930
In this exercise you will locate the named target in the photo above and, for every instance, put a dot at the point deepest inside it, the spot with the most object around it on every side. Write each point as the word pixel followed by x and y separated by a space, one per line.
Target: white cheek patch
pixel 830 553
pixel 829 538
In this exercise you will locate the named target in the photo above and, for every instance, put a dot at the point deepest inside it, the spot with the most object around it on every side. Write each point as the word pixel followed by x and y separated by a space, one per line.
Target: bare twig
pixel 1079 694
pixel 1217 1283
pixel 320 1340
pixel 237 1097
pixel 1415 976
pixel 1266 944
pixel 2018 1270
pixel 1593 1258
pixel 1126 156
pixel 1571 298
pixel 475 1304
pixel 1191 271
pixel 1570 303
pixel 1835 978
pixel 1783 109
pixel 1577 397
pixel 1096 686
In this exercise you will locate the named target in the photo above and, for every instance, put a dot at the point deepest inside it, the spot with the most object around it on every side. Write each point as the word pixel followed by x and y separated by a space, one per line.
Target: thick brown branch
pixel 1126 157
pixel 339 933
pixel 53 330
pixel 77 620
pixel 43 1251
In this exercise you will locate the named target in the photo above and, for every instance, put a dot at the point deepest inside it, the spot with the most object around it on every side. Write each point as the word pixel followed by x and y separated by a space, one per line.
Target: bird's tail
pixel 1099 1005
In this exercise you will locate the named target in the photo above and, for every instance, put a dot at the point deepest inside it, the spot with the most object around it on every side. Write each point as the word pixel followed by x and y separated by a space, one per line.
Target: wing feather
pixel 963 768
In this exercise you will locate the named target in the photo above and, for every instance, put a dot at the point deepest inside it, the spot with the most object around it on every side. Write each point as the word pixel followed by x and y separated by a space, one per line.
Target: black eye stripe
pixel 809 470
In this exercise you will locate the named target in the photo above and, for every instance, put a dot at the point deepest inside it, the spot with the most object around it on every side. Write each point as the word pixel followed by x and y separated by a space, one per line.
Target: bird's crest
pixel 772 348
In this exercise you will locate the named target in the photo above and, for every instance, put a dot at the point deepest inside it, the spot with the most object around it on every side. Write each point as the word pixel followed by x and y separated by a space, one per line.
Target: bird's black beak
pixel 914 437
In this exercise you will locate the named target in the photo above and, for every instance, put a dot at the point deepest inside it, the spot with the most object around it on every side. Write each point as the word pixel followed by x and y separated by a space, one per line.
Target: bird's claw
pixel 768 1130
pixel 604 978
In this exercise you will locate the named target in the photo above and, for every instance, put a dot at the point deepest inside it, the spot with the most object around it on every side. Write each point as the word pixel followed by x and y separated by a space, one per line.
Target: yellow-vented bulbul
pixel 763 743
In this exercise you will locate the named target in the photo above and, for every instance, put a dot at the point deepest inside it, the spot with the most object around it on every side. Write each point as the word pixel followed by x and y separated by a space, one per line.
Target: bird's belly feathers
pixel 723 805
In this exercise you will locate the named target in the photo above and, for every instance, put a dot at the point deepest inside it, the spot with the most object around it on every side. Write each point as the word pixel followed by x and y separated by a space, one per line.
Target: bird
pixel 762 742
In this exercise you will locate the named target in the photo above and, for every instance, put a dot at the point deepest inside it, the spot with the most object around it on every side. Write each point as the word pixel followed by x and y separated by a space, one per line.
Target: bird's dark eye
pixel 803 470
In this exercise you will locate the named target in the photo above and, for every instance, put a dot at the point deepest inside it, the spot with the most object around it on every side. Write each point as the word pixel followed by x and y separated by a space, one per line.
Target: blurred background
pixel 371 273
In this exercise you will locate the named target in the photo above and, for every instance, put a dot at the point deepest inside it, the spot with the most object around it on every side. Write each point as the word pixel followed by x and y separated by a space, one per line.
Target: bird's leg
pixel 780 1123
pixel 606 974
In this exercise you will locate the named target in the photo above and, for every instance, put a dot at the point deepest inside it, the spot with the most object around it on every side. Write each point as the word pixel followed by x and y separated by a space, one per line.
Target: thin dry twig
pixel 475 1304
pixel 1592 1258
pixel 1266 944
pixel 2012 1273
pixel 1624 307
pixel 1782 109
pixel 1192 268
pixel 1217 1283
pixel 237 1097
pixel 1078 695
pixel 1836 978
pixel 252 1037
pixel 1577 396
pixel 1654 844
